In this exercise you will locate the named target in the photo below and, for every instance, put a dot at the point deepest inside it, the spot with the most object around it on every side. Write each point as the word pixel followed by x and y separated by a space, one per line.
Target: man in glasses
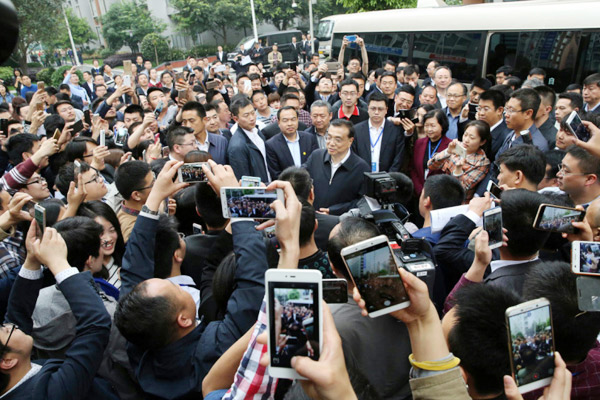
pixel 578 176
pixel 91 179
pixel 181 140
pixel 72 377
pixel 37 188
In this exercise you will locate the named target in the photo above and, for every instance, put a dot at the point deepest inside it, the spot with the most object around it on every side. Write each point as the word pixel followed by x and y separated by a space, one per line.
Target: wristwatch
pixel 145 209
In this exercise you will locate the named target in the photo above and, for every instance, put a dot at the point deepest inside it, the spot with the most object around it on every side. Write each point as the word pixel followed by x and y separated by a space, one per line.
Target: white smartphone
pixel 374 272
pixel 76 172
pixel 495 190
pixel 249 202
pixel 251 181
pixel 557 218
pixel 220 68
pixel 585 258
pixel 531 344
pixel 492 224
pixel 577 128
pixel 127 80
pixel 247 85
pixel 294 318
pixel 192 172
pixel 460 151
pixel 102 137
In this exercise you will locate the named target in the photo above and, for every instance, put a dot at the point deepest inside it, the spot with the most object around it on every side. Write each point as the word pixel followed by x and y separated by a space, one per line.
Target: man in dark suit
pixel 519 208
pixel 211 121
pixel 192 116
pixel 320 87
pixel 378 141
pixel 491 110
pixel 290 147
pixel 337 173
pixel 288 99
pixel 221 55
pixel 75 100
pixel 315 45
pixel 88 84
pixel 247 151
pixel 295 49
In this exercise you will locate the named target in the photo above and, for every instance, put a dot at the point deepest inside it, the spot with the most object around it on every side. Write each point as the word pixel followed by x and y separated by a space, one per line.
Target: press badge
pixel 373 166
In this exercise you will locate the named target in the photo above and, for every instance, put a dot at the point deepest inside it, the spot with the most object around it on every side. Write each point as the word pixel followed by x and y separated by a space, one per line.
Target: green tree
pixel 372 5
pixel 280 12
pixel 155 47
pixel 196 16
pixel 81 31
pixel 294 294
pixel 127 22
pixel 37 24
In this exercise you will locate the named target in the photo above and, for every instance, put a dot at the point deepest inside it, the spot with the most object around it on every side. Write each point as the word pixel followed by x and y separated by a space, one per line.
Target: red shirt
pixel 347 118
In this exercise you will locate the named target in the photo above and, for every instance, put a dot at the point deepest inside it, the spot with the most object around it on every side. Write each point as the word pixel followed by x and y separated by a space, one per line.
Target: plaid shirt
pixel 475 168
pixel 12 254
pixel 251 379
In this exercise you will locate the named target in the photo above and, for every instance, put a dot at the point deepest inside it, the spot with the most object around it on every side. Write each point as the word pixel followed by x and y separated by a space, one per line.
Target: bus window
pixel 380 47
pixel 591 55
pixel 554 51
pixel 458 50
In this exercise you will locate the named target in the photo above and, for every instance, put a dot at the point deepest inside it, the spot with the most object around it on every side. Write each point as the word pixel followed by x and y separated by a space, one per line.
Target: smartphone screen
pixel 77 127
pixel 4 126
pixel 192 172
pixel 577 128
pixel 121 136
pixel 87 118
pixel 250 203
pixel 293 303
pixel 376 276
pixel 557 219
pixel 492 224
pixel 102 137
pixel 250 181
pixel 472 111
pixel 589 257
pixel 494 190
pixel 532 350
pixel 40 219
pixel 588 293
pixel 335 291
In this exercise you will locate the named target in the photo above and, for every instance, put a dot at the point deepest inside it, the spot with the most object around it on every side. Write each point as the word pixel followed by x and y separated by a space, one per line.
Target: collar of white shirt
pixel 494 265
pixel 291 141
pixel 496 124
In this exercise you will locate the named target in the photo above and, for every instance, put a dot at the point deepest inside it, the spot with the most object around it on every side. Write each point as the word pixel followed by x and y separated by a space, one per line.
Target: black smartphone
pixel 335 291
pixel 495 190
pixel 77 127
pixel 87 117
pixel 557 219
pixel 4 126
pixel 472 111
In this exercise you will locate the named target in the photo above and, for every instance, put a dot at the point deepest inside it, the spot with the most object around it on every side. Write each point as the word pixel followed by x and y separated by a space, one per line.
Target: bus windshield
pixel 324 30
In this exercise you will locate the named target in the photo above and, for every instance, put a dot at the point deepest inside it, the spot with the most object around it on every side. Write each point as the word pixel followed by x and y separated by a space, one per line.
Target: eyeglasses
pixel 97 178
pixel 454 96
pixel 377 109
pixel 564 172
pixel 349 94
pixel 336 140
pixel 511 111
pixel 484 109
pixel 39 180
pixel 5 346
pixel 147 187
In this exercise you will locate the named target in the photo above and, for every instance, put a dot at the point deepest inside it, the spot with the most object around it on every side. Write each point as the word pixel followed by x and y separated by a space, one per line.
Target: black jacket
pixel 272 129
pixel 279 156
pixel 340 192
pixel 392 145
pixel 176 371
pixel 73 377
pixel 245 158
pixel 197 250
pixel 511 276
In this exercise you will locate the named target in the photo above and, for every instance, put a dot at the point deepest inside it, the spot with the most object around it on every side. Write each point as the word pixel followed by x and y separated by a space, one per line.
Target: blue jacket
pixel 217 147
pixel 73 377
pixel 176 371
pixel 245 158
pixel 341 192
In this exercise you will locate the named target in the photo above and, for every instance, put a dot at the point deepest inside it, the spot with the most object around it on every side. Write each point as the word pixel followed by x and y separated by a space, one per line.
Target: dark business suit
pixel 245 158
pixel 511 276
pixel 222 57
pixel 279 156
pixel 538 140
pixel 217 148
pixel 392 145
pixel 312 95
pixel 272 129
pixel 294 51
pixel 198 249
pixel 226 133
pixel 499 135
pixel 341 192
pixel 417 170
pixel 89 88
pixel 325 224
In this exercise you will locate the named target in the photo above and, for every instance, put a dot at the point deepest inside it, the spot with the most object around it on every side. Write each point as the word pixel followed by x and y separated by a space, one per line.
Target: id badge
pixel 374 166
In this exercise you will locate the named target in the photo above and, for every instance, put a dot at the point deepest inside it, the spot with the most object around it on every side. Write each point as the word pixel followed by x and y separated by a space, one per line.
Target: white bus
pixel 561 36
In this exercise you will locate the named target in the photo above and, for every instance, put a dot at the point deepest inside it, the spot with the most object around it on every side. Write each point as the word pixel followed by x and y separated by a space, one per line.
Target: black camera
pixel 380 186
pixel 414 256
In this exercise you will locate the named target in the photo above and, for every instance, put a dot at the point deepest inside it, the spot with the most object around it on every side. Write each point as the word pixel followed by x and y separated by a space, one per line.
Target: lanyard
pixel 434 150
pixel 373 145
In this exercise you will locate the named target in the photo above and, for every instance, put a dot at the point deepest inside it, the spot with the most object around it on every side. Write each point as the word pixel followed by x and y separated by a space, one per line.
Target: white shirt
pixel 258 142
pixel 375 137
pixel 335 167
pixel 294 147
pixel 494 265
pixel 203 146
pixel 187 284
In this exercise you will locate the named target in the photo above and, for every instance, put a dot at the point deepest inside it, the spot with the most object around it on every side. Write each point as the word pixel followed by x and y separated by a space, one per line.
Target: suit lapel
pixel 286 155
pixel 366 144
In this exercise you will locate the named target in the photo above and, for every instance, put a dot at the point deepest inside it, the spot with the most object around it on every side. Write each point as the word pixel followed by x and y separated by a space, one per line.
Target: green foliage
pixel 81 31
pixel 57 76
pixel 6 74
pixel 38 23
pixel 372 5
pixel 34 65
pixel 105 53
pixel 293 294
pixel 176 54
pixel 197 16
pixel 127 23
pixel 45 75
pixel 280 13
pixel 155 48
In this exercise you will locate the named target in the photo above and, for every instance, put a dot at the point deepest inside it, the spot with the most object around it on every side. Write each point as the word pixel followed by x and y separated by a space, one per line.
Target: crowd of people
pixel 119 299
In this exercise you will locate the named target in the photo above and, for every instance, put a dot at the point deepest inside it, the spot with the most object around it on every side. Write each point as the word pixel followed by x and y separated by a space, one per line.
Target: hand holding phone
pixel 495 190
pixel 557 219
pixel 586 259
pixel 40 220
pixel 193 172
pixel 249 202
pixel 294 318
pixel 577 128
pixel 492 224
